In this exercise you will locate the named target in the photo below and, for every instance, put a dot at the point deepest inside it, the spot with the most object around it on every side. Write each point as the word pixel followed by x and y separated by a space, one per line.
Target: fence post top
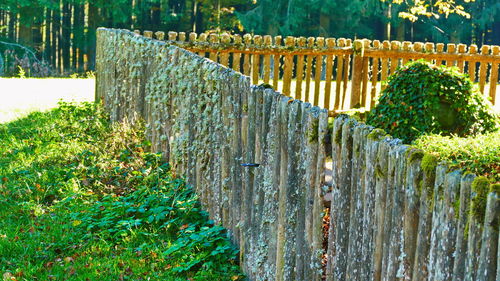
pixel 182 36
pixel 160 35
pixel 485 49
pixel 193 36
pixel 320 41
pixel 358 45
pixel 330 42
pixel 225 38
pixel 268 40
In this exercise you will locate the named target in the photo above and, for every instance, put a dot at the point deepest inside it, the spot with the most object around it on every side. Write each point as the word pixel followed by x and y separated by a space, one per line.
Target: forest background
pixel 57 37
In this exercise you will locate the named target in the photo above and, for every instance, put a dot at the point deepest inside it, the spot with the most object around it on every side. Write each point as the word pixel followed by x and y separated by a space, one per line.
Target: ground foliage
pixel 478 154
pixel 421 98
pixel 81 199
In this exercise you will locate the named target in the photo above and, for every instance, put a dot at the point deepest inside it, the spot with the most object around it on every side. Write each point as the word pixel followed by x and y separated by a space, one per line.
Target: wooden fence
pixel 337 74
pixel 210 122
pixel 395 213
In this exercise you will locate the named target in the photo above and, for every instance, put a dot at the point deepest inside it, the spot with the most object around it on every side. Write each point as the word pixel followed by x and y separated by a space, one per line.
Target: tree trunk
pixel 324 23
pixel 400 31
pixel 25 27
pixel 47 54
pixel 66 36
pixel 387 30
pixel 93 24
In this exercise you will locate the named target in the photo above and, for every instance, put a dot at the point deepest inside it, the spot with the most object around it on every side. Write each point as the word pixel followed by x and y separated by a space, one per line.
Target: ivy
pixel 421 98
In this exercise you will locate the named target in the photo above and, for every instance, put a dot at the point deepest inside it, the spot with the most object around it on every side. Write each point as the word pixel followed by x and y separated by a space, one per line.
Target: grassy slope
pixel 479 154
pixel 82 200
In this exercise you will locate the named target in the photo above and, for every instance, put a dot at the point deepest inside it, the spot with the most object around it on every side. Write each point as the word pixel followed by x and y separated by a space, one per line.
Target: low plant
pixel 421 98
pixel 478 154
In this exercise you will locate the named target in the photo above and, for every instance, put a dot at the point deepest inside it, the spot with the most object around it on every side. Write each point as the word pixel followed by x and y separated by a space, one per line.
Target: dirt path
pixel 19 97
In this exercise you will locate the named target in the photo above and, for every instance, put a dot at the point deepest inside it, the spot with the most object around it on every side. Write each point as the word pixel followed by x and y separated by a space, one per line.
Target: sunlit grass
pixel 81 199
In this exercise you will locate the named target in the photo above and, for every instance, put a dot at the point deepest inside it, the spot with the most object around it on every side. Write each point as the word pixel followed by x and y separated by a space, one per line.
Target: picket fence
pixel 337 74
pixel 257 161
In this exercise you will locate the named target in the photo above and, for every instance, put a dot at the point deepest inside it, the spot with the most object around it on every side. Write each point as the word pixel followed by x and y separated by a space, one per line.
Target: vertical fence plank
pixel 302 229
pixel 201 39
pixel 237 56
pixel 276 63
pixel 160 35
pixel 461 50
pixel 271 177
pixel 439 50
pixel 347 72
pixel 495 50
pixel 268 40
pixel 257 40
pixel 310 44
pixel 386 45
pixel 226 179
pixel 488 259
pixel 330 44
pixel 192 37
pixel 446 244
pixel 224 56
pixel 394 218
pixel 283 190
pixel 355 261
pixel 247 59
pixel 288 70
pixel 320 43
pixel 395 46
pixel 365 98
pixel 338 81
pixel 421 264
pixel 318 208
pixel 463 214
pixel 342 204
pixel 483 68
pixel 438 224
pixel 381 174
pixel 301 42
pixel 411 213
pixel 336 141
pixel 248 181
pixel 213 53
pixel 357 73
pixel 407 47
pixel 369 197
pixel 375 73
pixel 451 49
pixel 472 64
pixel 474 231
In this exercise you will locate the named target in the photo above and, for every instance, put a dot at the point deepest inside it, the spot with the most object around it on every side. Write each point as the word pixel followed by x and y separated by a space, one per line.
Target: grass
pixel 479 154
pixel 22 96
pixel 81 199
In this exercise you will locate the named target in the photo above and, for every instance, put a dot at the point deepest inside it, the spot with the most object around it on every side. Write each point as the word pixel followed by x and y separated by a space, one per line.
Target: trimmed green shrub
pixel 422 98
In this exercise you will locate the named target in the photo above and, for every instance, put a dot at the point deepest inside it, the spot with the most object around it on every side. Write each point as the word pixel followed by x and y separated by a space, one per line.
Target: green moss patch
pixel 480 188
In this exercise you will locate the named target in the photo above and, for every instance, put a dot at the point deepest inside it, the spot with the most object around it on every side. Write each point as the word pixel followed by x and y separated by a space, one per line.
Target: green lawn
pixel 81 199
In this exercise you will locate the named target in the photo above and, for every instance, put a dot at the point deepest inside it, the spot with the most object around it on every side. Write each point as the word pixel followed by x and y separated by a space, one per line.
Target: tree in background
pixel 62 32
